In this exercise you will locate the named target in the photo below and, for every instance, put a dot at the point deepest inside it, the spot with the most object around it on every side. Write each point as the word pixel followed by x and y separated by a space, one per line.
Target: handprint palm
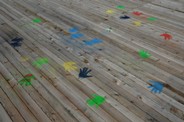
pixel 69 66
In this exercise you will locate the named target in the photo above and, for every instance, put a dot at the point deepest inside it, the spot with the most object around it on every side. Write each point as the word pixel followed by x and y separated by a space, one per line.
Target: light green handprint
pixel 40 61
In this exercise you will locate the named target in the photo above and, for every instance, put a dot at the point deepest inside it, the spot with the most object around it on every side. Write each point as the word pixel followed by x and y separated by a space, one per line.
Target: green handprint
pixel 37 20
pixel 27 80
pixel 96 100
pixel 144 54
pixel 120 7
pixel 152 18
pixel 39 62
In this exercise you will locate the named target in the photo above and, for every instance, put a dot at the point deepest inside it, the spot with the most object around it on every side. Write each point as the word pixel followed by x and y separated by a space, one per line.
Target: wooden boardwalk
pixel 61 37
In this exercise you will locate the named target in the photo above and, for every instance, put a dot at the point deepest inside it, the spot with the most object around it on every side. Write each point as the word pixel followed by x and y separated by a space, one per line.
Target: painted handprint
pixel 37 20
pixel 124 17
pixel 120 7
pixel 93 42
pixel 73 30
pixel 166 36
pixel 96 100
pixel 24 58
pixel 40 61
pixel 27 80
pixel 137 23
pixel 152 18
pixel 69 66
pixel 156 87
pixel 110 11
pixel 16 42
pixel 84 73
pixel 76 35
pixel 144 54
pixel 137 13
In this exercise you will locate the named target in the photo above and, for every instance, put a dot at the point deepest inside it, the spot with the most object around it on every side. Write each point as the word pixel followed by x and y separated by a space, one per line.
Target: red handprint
pixel 166 36
pixel 137 13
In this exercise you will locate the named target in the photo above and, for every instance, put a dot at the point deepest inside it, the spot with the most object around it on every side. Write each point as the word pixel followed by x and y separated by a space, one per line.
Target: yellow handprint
pixel 137 23
pixel 69 66
pixel 24 58
pixel 110 11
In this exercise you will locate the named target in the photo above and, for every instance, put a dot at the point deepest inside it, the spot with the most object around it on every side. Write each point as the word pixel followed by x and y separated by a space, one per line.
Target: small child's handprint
pixel 156 86
pixel 84 73
pixel 69 66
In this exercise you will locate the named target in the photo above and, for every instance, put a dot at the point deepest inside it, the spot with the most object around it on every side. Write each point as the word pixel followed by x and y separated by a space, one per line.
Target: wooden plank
pixel 118 73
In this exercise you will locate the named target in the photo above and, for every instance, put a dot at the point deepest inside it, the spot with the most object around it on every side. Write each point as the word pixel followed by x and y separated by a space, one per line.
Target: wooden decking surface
pixel 119 74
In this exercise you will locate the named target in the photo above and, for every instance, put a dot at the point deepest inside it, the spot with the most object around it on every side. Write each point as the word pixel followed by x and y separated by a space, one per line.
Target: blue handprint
pixel 156 86
pixel 73 30
pixel 93 41
pixel 76 35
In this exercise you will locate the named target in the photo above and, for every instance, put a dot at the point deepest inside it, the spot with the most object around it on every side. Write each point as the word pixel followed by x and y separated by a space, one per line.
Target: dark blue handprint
pixel 16 42
pixel 156 86
pixel 93 42
pixel 84 73
pixel 124 17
